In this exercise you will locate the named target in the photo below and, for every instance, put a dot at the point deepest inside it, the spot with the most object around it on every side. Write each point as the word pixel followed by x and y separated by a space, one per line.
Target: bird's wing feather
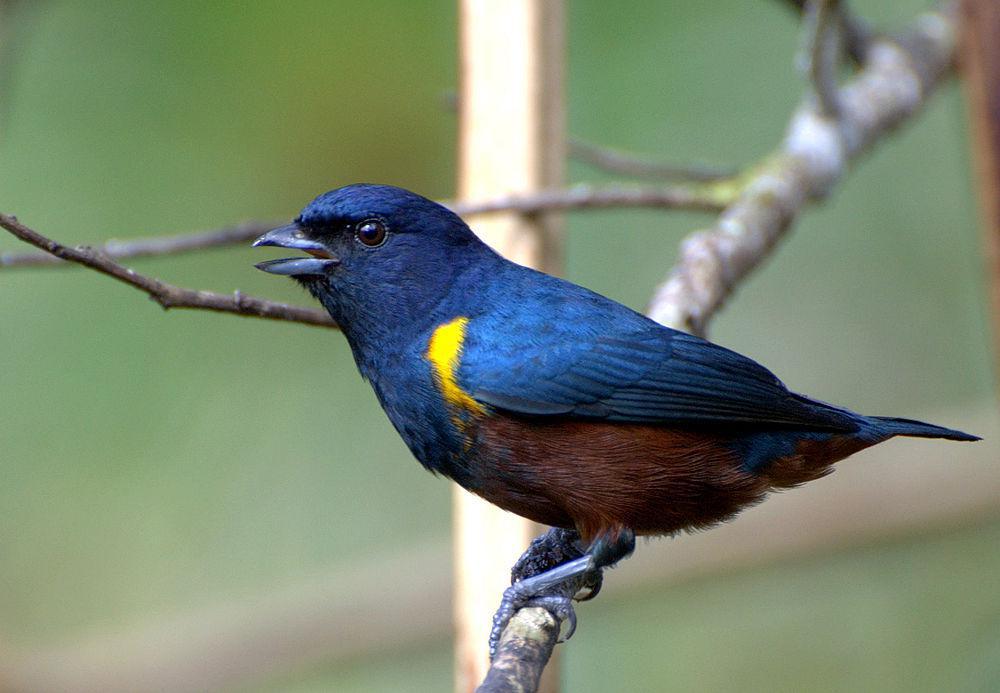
pixel 630 370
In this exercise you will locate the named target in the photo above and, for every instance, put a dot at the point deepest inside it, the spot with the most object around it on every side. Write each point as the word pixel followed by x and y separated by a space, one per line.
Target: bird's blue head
pixel 382 258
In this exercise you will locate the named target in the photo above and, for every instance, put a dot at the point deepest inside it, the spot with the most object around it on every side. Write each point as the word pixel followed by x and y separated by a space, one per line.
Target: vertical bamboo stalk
pixel 981 66
pixel 511 139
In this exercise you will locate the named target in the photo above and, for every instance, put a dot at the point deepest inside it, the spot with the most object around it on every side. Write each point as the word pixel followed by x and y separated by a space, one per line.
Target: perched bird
pixel 549 400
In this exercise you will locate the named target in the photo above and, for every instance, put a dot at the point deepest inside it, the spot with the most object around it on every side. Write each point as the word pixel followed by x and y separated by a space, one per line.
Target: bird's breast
pixel 419 389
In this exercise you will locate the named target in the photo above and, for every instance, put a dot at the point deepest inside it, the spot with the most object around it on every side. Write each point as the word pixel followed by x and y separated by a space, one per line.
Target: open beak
pixel 292 236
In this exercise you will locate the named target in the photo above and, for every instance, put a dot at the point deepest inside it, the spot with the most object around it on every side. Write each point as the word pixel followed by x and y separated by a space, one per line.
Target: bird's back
pixel 574 410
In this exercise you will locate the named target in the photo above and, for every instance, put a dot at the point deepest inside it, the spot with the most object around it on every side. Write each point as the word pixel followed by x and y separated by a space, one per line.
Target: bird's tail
pixel 891 426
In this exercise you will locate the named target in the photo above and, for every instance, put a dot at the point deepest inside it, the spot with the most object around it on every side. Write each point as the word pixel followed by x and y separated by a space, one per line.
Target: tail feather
pixel 892 426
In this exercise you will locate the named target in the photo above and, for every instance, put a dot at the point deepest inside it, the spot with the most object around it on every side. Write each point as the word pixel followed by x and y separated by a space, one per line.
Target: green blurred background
pixel 157 463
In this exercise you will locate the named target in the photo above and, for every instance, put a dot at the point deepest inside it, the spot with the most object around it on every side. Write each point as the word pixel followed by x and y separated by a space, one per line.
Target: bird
pixel 552 401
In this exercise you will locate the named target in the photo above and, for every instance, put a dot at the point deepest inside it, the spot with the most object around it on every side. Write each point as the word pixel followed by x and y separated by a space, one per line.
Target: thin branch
pixel 168 295
pixel 626 164
pixel 820 52
pixel 704 198
pixel 523 652
pixel 895 82
pixel 156 245
pixel 857 34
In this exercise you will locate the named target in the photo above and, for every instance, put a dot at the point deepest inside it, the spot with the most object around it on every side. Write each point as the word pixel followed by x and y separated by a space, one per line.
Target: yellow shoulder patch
pixel 444 350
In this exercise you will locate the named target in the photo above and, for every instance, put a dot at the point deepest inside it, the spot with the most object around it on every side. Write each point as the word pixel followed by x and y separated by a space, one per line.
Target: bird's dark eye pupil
pixel 371 232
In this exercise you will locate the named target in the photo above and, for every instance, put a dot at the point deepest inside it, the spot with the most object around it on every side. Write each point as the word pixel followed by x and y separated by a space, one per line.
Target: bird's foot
pixel 554 570
pixel 553 590
pixel 560 606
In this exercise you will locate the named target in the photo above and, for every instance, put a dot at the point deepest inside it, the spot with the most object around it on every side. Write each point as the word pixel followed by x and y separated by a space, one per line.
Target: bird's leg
pixel 555 547
pixel 554 569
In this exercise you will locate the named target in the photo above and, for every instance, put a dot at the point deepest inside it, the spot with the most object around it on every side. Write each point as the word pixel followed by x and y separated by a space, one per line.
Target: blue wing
pixel 581 355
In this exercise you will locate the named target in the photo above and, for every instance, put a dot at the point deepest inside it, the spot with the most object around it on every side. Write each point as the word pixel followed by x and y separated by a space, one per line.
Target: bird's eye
pixel 371 233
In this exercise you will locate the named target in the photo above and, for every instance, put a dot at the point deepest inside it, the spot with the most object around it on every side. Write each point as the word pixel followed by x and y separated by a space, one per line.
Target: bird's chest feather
pixel 420 391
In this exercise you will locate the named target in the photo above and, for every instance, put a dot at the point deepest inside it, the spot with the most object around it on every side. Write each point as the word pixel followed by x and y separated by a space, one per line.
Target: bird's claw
pixel 514 599
pixel 550 575
pixel 560 607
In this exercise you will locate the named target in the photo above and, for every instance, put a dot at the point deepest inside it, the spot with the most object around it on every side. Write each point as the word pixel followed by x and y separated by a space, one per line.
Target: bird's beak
pixel 292 236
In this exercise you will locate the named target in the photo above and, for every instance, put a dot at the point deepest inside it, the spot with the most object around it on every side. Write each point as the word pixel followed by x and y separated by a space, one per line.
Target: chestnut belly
pixel 595 476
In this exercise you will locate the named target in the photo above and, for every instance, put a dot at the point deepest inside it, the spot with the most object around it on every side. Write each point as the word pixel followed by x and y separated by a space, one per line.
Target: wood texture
pixel 510 141
pixel 981 68
pixel 523 653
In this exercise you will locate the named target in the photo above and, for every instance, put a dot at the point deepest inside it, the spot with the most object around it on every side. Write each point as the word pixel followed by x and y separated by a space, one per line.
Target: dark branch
pixel 821 52
pixel 157 245
pixel 857 33
pixel 701 198
pixel 623 163
pixel 704 198
pixel 168 295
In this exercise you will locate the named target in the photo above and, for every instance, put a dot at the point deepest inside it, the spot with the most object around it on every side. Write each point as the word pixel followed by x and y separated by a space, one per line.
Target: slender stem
pixel 820 52
pixel 626 164
pixel 168 295
pixel 704 198
pixel 897 80
pixel 857 33
pixel 156 245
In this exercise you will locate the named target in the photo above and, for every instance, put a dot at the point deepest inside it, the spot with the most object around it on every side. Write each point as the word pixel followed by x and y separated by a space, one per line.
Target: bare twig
pixel 858 35
pixel 895 82
pixel 705 198
pixel 623 163
pixel 820 52
pixel 157 245
pixel 168 295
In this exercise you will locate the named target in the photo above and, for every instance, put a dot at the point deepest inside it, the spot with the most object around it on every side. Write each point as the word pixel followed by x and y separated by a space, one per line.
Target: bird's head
pixel 379 257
